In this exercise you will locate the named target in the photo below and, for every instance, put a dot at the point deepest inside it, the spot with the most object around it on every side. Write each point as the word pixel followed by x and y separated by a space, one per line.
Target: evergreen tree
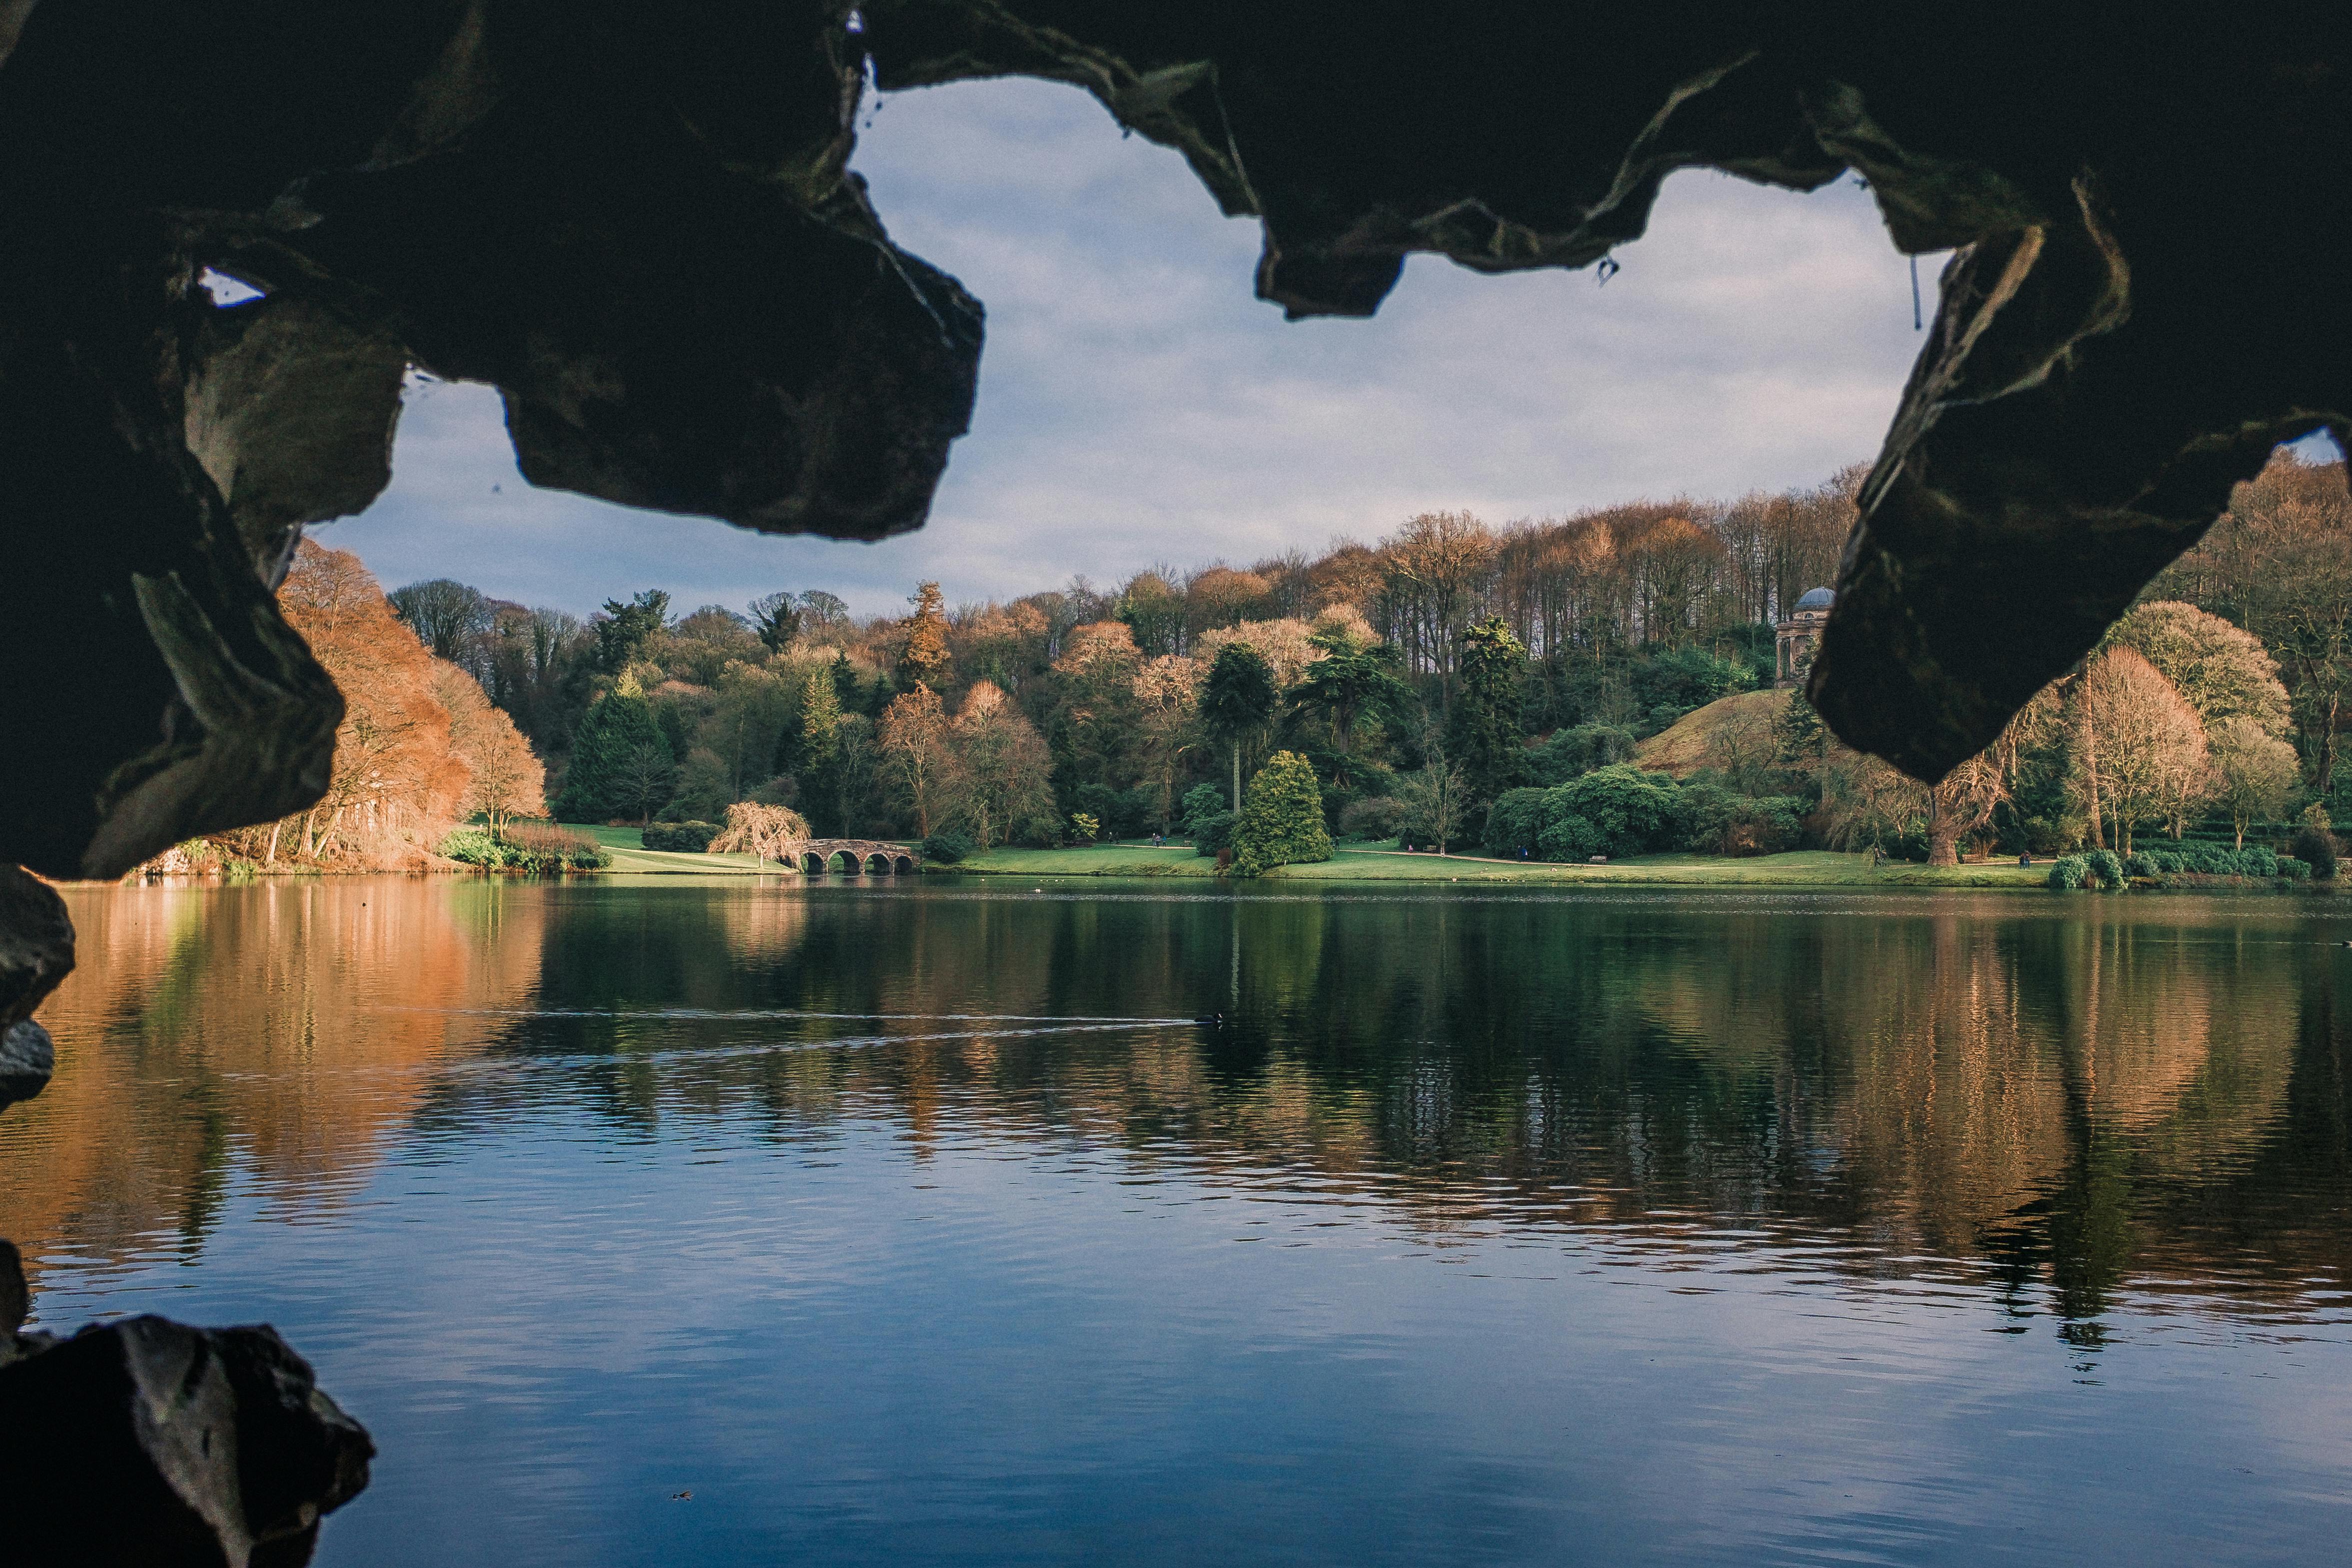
pixel 1282 823
pixel 626 627
pixel 1236 701
pixel 619 759
pixel 1483 735
pixel 819 743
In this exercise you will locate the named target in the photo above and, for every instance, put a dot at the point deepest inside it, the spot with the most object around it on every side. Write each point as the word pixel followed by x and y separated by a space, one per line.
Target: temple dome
pixel 1817 599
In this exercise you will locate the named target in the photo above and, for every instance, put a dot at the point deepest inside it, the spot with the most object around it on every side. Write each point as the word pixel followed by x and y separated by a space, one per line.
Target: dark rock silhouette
pixel 148 1442
pixel 637 221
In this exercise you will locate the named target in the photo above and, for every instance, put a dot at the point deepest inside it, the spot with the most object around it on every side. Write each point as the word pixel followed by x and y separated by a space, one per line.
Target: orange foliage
pixel 420 745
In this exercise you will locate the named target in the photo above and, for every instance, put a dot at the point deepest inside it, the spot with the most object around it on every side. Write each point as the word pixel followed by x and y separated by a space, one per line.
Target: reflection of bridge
pixel 816 856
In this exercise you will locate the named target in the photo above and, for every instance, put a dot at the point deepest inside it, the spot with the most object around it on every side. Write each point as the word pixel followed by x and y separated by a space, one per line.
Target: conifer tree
pixel 1482 733
pixel 1282 822
pixel 618 757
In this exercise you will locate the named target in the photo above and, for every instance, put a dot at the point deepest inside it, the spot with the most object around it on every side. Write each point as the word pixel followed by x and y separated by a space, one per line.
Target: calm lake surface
pixel 905 1224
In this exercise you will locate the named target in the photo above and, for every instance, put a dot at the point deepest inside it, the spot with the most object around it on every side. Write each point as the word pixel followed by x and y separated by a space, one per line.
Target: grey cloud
pixel 1137 403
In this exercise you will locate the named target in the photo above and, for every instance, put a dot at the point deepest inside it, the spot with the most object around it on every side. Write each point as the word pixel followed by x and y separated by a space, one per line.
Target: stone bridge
pixel 816 856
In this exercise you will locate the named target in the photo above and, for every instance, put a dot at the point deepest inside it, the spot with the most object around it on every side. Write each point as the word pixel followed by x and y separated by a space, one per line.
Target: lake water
pixel 905 1223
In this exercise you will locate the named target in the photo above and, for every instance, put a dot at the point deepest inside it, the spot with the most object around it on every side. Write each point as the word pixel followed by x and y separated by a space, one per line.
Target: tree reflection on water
pixel 2058 1100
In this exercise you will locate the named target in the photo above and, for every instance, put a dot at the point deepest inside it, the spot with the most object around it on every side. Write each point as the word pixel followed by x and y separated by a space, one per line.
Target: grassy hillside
pixel 1701 735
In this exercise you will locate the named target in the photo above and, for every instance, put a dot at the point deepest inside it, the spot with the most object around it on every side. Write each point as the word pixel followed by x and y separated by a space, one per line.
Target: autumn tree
pixel 2223 671
pixel 914 741
pixel 923 657
pixel 1154 611
pixel 1435 573
pixel 1168 701
pixel 2254 774
pixel 396 778
pixel 2138 746
pixel 1003 767
pixel 505 778
pixel 771 833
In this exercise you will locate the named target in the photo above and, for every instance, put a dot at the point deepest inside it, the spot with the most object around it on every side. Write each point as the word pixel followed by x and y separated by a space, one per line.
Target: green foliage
pixel 626 628
pixel 1201 801
pixel 1573 752
pixel 1238 695
pixel 621 761
pixel 1514 823
pixel 950 845
pixel 2315 847
pixel 1213 832
pixel 1690 677
pixel 1632 809
pixel 2293 869
pixel 1720 821
pixel 1282 821
pixel 1085 827
pixel 525 847
pixel 2141 864
pixel 1483 731
pixel 1570 837
pixel 473 846
pixel 2068 872
pixel 2103 868
pixel 1371 817
pixel 684 838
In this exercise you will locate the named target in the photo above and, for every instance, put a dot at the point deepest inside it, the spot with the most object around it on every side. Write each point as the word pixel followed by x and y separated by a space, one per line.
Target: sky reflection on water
pixel 924 1224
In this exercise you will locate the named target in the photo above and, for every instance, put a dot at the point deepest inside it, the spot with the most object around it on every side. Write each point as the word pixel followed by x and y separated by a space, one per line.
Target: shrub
pixel 2261 862
pixel 1213 833
pixel 1720 821
pixel 2068 872
pixel 2315 846
pixel 474 846
pixel 686 838
pixel 2141 866
pixel 1631 810
pixel 950 845
pixel 2103 868
pixel 1282 817
pixel 534 846
pixel 1570 837
pixel 1373 817
pixel 2294 869
pixel 2166 862
pixel 1514 823
pixel 1201 801
pixel 1085 827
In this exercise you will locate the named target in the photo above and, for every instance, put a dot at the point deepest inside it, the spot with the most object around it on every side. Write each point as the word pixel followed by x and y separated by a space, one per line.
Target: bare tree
pixel 2253 773
pixel 2138 746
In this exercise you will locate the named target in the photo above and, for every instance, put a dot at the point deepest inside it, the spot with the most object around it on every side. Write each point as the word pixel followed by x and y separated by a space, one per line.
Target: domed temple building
pixel 1799 636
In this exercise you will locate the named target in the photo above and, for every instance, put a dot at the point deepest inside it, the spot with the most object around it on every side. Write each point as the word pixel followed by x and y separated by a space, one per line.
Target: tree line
pixel 1421 679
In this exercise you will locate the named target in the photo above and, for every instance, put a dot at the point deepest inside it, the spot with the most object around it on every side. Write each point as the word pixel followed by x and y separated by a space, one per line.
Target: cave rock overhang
pixel 641 229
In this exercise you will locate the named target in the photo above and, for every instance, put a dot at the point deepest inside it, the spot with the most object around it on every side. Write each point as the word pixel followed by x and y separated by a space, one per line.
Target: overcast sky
pixel 1138 404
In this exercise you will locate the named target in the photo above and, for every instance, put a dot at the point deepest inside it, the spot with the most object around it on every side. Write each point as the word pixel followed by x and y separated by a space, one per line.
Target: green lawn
pixel 1355 862
pixel 1803 868
pixel 626 846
